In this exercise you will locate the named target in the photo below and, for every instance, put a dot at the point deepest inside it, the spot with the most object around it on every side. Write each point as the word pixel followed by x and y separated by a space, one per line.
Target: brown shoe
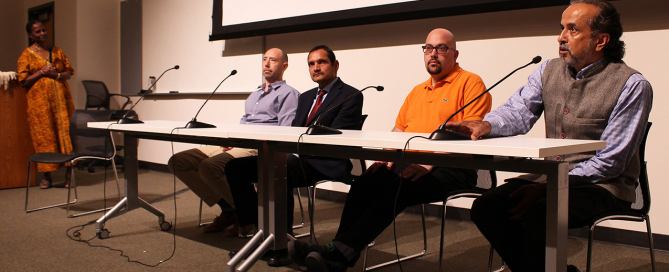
pixel 220 223
pixel 241 232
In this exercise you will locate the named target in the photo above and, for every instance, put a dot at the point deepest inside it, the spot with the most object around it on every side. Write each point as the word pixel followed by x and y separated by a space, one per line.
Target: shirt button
pixel 566 110
pixel 563 135
pixel 558 158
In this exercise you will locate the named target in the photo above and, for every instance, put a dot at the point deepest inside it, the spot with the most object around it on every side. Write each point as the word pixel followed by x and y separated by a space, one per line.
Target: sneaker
pixel 241 232
pixel 316 263
pixel 220 223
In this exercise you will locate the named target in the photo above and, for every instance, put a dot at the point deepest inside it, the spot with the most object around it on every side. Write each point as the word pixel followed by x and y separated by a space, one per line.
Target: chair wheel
pixel 103 234
pixel 165 226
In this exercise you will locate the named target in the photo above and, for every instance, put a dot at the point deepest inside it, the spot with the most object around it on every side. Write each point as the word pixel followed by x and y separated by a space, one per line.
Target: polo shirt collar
pixel 448 79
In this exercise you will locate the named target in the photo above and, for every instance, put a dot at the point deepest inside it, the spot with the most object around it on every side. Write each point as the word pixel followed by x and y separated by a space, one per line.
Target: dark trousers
pixel 369 205
pixel 243 172
pixel 521 244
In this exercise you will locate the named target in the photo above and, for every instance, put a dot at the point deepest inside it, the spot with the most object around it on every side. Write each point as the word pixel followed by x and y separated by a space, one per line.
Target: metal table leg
pixel 132 200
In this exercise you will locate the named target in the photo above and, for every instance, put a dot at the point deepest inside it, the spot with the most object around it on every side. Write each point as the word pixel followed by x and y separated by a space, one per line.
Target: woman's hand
pixel 50 71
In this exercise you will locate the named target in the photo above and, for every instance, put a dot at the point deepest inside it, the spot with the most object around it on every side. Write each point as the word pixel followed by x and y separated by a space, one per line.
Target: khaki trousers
pixel 203 171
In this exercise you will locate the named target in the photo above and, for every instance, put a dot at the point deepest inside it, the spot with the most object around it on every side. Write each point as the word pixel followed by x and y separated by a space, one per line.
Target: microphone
pixel 124 119
pixel 317 129
pixel 50 51
pixel 194 123
pixel 445 134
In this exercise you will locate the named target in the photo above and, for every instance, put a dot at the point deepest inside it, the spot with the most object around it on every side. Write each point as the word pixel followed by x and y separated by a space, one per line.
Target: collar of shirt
pixel 448 79
pixel 581 74
pixel 272 86
pixel 328 87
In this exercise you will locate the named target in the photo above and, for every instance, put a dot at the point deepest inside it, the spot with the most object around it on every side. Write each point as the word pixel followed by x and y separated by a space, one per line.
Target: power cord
pixel 310 208
pixel 399 187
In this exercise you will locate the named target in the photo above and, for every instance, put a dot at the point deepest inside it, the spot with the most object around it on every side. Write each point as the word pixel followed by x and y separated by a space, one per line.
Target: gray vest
pixel 580 109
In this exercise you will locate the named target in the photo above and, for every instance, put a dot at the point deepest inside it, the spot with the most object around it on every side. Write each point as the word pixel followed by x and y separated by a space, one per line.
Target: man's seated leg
pixel 522 243
pixel 432 187
pixel 241 174
pixel 212 172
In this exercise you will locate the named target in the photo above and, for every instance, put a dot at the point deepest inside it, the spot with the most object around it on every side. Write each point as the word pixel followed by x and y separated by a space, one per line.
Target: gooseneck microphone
pixel 445 134
pixel 317 129
pixel 124 119
pixel 194 123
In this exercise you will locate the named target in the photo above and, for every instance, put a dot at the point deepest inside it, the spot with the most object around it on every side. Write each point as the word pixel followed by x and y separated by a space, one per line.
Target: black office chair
pixel 486 181
pixel 87 143
pixel 98 96
pixel 359 167
pixel 639 211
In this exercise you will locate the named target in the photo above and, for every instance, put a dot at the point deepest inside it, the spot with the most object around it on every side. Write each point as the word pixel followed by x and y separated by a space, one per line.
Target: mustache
pixel 434 59
pixel 564 47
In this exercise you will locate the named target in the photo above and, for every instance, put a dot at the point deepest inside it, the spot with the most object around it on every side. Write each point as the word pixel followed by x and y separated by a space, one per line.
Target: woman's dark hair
pixel 29 25
pixel 331 54
pixel 607 21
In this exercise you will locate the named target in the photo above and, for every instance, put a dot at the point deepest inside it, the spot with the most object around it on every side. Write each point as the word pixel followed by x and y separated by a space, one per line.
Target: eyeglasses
pixel 441 49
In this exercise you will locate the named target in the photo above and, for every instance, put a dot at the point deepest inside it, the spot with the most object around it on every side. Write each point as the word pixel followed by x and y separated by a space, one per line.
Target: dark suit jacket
pixel 345 116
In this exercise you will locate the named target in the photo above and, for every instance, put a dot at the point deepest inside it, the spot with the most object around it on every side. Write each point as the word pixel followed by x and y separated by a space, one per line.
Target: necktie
pixel 319 100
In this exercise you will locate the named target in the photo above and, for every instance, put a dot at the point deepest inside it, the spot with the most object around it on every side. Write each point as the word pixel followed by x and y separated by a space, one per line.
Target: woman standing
pixel 43 72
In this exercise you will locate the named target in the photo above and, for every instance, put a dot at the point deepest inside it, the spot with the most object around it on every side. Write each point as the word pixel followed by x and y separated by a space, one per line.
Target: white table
pixel 501 154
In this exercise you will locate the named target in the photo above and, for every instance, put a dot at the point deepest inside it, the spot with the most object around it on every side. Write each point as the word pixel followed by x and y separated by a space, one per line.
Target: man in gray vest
pixel 587 93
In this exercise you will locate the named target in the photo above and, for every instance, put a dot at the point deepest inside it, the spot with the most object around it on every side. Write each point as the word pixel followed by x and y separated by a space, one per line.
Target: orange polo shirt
pixel 425 108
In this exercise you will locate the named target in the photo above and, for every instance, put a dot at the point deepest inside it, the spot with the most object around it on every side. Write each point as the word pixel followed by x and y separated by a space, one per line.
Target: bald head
pixel 275 62
pixel 440 54
pixel 442 36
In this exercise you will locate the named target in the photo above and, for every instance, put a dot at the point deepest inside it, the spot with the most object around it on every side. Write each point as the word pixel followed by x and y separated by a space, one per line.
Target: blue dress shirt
pixel 623 134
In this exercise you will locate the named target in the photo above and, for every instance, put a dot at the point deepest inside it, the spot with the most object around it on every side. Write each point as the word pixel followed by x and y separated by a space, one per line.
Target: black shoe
pixel 316 263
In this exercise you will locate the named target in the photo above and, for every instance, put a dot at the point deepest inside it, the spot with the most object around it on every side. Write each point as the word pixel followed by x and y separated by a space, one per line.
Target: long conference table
pixel 513 154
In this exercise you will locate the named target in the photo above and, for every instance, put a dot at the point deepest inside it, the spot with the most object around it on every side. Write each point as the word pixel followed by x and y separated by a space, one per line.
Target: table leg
pixel 132 199
pixel 557 210
pixel 271 213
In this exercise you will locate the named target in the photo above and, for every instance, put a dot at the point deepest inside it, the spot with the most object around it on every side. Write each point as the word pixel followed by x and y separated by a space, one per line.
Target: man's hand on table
pixel 476 129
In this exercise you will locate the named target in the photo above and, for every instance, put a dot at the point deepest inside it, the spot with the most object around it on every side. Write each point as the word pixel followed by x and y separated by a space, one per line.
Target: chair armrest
pixel 127 99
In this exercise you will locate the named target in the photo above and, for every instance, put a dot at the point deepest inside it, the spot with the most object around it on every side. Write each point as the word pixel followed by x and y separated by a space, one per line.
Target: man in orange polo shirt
pixel 369 206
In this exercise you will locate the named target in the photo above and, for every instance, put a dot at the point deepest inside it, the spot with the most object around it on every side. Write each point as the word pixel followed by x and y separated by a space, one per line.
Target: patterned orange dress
pixel 50 105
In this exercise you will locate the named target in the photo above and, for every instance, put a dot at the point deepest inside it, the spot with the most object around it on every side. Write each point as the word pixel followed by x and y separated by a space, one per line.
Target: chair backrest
pixel 97 95
pixel 88 141
pixel 643 188
pixel 487 179
pixel 359 166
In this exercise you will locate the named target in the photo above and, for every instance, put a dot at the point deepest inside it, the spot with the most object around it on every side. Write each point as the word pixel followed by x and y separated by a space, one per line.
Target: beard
pixel 574 60
pixel 434 70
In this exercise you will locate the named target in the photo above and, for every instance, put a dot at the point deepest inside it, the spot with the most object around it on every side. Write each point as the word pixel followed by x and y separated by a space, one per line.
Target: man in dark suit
pixel 242 172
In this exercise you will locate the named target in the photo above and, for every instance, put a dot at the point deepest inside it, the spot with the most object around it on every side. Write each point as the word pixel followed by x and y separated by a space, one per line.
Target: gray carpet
pixel 38 242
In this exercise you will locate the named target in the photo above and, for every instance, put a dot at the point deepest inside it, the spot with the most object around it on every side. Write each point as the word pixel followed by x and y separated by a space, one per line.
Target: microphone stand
pixel 446 134
pixel 194 123
pixel 124 119
pixel 317 129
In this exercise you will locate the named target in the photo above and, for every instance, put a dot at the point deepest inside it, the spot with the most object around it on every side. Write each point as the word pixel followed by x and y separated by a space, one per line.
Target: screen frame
pixel 404 11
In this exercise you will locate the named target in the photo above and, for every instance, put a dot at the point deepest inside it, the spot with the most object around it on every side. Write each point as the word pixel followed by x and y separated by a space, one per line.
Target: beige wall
pixel 12 31
pixel 490 45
